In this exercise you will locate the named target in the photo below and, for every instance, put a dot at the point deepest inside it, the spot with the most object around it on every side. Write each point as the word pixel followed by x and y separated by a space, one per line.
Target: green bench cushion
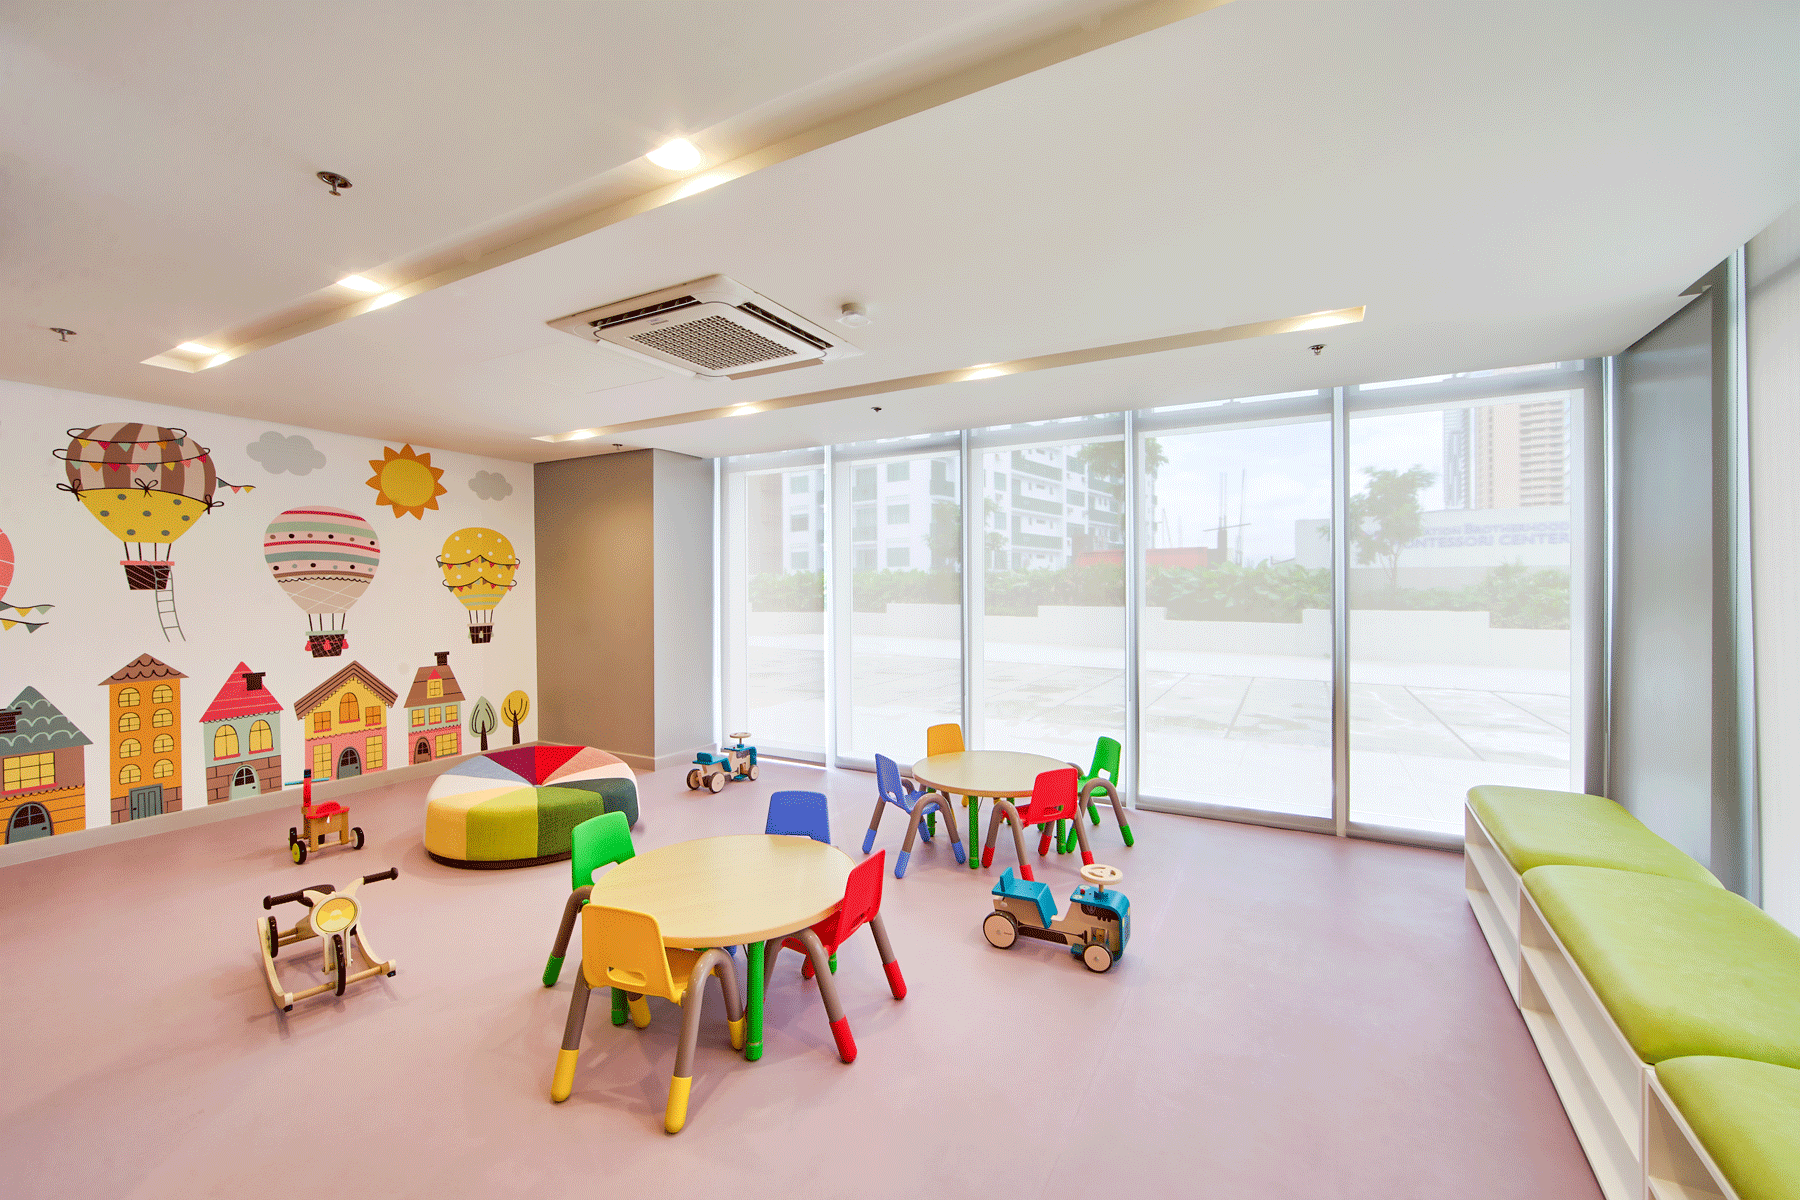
pixel 1684 968
pixel 1747 1115
pixel 1536 828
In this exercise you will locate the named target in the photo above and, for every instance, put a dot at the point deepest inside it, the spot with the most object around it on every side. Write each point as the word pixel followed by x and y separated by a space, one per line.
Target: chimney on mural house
pixel 443 657
pixel 253 680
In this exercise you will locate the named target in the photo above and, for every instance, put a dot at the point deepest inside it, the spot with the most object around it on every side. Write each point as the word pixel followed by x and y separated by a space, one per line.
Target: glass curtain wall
pixel 897 594
pixel 1461 534
pixel 1047 651
pixel 1165 577
pixel 772 517
pixel 1235 630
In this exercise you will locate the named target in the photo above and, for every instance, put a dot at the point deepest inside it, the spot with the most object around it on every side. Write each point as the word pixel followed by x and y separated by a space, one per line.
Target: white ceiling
pixel 1498 183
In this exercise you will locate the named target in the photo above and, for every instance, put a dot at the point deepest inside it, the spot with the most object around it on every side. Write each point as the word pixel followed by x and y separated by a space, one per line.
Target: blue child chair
pixel 800 814
pixel 891 789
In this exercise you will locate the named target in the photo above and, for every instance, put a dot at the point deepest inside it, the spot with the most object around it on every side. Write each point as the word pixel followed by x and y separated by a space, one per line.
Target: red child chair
pixel 1053 798
pixel 861 906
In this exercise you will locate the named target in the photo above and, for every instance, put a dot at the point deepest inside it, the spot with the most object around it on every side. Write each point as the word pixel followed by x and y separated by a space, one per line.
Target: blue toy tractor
pixel 1095 928
pixel 714 771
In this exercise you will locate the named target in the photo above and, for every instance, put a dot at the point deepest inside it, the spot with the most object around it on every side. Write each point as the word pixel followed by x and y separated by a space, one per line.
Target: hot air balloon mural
pixel 324 559
pixel 147 485
pixel 12 616
pixel 479 565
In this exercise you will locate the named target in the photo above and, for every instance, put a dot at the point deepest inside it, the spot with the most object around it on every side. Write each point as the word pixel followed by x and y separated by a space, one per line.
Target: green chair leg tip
pixel 552 971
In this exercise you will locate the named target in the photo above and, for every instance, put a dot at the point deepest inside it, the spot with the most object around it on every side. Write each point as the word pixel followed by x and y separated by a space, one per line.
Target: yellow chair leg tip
pixel 675 1116
pixel 563 1082
pixel 640 1013
pixel 739 1029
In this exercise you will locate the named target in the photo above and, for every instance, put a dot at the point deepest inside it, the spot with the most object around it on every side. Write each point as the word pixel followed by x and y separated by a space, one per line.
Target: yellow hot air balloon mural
pixel 479 565
pixel 147 485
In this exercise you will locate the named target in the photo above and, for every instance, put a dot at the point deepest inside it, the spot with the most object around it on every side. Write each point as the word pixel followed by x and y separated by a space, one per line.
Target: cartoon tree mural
pixel 482 721
pixel 514 709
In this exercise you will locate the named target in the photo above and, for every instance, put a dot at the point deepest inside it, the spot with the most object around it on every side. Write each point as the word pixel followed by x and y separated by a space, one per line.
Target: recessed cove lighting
pixel 983 372
pixel 384 301
pixel 742 410
pixel 678 154
pixel 357 283
pixel 196 348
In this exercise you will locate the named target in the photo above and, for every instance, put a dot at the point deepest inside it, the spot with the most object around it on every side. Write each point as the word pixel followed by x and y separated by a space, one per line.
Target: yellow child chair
pixel 948 739
pixel 624 949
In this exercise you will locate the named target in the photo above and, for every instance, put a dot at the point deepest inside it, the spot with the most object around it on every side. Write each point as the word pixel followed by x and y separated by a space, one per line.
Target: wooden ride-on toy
pixel 335 918
pixel 714 771
pixel 1095 927
pixel 320 821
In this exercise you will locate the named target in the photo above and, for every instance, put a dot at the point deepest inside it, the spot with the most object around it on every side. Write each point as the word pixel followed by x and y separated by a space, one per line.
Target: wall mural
pixel 324 559
pixel 479 567
pixel 147 481
pixel 147 485
pixel 406 481
pixel 20 614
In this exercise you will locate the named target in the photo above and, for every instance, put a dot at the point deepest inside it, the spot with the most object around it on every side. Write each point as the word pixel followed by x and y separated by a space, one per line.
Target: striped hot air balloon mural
pixel 324 559
pixel 479 565
pixel 147 485
pixel 16 616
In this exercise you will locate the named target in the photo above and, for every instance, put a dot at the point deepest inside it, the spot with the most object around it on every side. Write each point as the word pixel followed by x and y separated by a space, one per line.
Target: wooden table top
pixel 984 772
pixel 730 891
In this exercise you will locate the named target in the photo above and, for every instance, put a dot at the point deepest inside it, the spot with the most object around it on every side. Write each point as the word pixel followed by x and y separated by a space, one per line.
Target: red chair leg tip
pixel 846 1044
pixel 1025 873
pixel 896 981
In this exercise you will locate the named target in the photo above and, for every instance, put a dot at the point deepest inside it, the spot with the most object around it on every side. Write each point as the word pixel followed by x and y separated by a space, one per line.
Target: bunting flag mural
pixel 147 485
pixel 479 566
pixel 14 616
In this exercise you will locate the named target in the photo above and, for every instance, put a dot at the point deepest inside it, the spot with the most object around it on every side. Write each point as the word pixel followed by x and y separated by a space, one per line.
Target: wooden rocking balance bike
pixel 335 918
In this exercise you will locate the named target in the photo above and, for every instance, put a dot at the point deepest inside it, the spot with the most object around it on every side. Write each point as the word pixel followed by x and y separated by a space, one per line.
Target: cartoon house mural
pixel 145 743
pixel 345 719
pixel 434 713
pixel 242 739
pixel 43 783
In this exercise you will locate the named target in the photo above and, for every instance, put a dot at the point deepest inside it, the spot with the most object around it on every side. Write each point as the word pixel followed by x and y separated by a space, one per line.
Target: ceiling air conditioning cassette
pixel 713 327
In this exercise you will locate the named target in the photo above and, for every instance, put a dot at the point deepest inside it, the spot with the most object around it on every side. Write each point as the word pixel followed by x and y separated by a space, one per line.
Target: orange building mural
pixel 144 716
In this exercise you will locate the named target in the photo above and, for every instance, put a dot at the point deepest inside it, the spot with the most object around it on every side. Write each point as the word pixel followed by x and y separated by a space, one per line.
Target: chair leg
pixel 1118 807
pixel 571 910
pixel 834 1012
pixel 639 1008
pixel 563 1081
pixel 681 1082
pixel 1004 811
pixel 1087 851
pixel 912 834
pixel 874 824
pixel 890 964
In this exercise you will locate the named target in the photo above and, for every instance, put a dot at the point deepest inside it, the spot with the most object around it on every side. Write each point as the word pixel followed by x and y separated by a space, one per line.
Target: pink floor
pixel 1296 1016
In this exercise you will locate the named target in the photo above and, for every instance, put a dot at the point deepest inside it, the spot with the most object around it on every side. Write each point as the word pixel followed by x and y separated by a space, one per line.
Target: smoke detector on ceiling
pixel 713 327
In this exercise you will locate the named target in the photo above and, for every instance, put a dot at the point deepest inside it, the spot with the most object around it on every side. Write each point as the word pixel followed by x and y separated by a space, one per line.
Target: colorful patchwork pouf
pixel 515 807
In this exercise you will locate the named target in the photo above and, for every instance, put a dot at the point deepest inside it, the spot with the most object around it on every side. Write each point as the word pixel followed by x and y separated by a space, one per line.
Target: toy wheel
pixel 298 850
pixel 1000 929
pixel 1097 958
pixel 357 830
pixel 716 783
pixel 343 963
pixel 293 835
pixel 752 771
pixel 274 938
pixel 693 781
pixel 1102 875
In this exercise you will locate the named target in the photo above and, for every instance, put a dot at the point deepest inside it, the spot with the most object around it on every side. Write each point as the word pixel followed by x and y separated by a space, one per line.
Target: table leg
pixel 618 1007
pixel 974 803
pixel 753 1007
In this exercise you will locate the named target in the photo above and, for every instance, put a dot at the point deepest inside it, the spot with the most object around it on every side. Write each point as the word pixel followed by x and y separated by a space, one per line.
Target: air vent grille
pixel 787 326
pixel 647 310
pixel 713 343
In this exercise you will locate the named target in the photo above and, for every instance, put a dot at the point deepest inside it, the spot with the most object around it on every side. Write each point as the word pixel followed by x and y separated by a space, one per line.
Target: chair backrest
pixel 596 842
pixel 1106 758
pixel 623 948
pixel 944 739
pixel 800 814
pixel 887 779
pixel 862 896
pixel 1053 795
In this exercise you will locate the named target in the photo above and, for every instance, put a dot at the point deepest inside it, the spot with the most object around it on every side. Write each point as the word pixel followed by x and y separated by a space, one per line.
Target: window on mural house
pixel 347 709
pixel 261 737
pixel 225 742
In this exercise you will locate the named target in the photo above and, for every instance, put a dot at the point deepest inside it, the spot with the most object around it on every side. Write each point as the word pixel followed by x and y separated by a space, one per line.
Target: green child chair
pixel 623 949
pixel 1103 776
pixel 594 843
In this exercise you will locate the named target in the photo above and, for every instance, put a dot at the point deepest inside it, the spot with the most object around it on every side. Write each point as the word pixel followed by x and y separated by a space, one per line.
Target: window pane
pixel 1235 635
pixel 903 666
pixel 774 644
pixel 1050 658
pixel 1459 586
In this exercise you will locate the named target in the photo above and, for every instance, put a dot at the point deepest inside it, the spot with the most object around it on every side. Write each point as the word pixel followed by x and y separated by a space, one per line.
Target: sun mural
pixel 406 481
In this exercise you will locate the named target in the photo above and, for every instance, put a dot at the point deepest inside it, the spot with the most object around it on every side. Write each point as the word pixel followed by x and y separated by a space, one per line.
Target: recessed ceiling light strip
pixel 1044 362
pixel 1095 33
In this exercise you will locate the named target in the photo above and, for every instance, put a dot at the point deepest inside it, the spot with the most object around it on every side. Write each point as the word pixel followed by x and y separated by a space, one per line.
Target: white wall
pixel 1774 334
pixel 229 608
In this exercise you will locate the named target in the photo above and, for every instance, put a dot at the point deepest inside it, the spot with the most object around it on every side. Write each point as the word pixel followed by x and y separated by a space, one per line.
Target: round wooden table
pixel 973 774
pixel 738 890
